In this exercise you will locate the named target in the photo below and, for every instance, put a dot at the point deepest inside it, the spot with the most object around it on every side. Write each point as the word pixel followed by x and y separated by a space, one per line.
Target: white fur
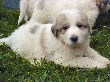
pixel 43 43
pixel 26 9
pixel 51 9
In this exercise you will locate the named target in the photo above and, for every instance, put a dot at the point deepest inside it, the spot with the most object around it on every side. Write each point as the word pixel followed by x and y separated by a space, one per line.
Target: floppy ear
pixel 58 24
pixel 54 30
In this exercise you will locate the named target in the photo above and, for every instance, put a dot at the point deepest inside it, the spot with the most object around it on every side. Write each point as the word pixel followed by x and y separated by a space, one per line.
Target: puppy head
pixel 71 27
pixel 102 5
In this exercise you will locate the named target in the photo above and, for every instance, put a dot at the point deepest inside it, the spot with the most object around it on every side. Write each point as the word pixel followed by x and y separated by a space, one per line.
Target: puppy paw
pixel 99 65
pixel 104 61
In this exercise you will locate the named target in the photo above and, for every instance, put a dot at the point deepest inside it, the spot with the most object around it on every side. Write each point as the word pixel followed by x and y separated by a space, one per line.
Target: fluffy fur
pixel 47 11
pixel 50 9
pixel 65 42
pixel 26 9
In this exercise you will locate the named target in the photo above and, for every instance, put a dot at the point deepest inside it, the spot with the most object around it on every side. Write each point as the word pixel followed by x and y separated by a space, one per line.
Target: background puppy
pixel 52 8
pixel 70 36
pixel 102 5
pixel 27 7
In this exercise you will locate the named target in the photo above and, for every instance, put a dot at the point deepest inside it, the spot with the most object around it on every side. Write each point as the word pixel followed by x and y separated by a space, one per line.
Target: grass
pixel 14 68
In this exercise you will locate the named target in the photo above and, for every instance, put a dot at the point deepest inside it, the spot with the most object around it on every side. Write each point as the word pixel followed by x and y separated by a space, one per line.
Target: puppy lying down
pixel 65 42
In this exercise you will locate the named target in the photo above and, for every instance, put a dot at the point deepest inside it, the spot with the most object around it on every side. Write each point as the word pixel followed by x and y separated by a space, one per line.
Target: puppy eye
pixel 79 25
pixel 65 27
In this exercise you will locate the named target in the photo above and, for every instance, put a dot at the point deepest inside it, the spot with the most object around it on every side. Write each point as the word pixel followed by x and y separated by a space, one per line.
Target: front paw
pixel 104 61
pixel 99 65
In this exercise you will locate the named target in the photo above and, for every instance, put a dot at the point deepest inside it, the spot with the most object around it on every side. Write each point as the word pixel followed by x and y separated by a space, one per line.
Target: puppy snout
pixel 74 39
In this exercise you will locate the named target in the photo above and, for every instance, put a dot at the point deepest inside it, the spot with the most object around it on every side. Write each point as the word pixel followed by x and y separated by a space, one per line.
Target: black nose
pixel 74 39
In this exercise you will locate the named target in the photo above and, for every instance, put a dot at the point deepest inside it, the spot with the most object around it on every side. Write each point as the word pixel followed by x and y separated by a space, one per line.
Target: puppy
pixel 65 42
pixel 50 9
pixel 26 9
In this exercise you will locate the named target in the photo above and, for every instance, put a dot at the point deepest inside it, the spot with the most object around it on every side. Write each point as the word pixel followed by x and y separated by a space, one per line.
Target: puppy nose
pixel 74 39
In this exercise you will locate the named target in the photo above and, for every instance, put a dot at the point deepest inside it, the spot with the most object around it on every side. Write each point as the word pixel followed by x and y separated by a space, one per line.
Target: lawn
pixel 14 68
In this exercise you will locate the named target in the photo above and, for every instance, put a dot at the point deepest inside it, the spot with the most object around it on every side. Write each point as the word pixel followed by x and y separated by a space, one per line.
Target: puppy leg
pixel 21 17
pixel 26 17
pixel 84 62
pixel 96 56
pixel 23 9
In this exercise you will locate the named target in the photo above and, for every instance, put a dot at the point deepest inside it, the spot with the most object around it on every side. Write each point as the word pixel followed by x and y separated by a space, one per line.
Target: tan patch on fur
pixel 62 31
pixel 97 1
pixel 84 22
pixel 77 56
pixel 33 29
pixel 61 21
pixel 84 19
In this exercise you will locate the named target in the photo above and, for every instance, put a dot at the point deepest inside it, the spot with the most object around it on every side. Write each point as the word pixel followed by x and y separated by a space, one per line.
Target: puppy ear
pixel 54 30
pixel 58 24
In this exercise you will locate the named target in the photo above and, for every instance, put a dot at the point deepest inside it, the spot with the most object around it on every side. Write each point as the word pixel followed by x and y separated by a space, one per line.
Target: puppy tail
pixel 4 40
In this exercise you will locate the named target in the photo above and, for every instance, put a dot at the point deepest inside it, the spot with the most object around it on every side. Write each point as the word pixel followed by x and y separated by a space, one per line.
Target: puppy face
pixel 71 27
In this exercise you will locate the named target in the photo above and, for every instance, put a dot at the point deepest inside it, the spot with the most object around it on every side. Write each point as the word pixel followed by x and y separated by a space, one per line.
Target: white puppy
pixel 65 42
pixel 26 9
pixel 50 9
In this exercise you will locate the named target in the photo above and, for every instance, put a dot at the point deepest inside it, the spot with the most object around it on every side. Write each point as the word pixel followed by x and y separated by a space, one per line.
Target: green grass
pixel 14 68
